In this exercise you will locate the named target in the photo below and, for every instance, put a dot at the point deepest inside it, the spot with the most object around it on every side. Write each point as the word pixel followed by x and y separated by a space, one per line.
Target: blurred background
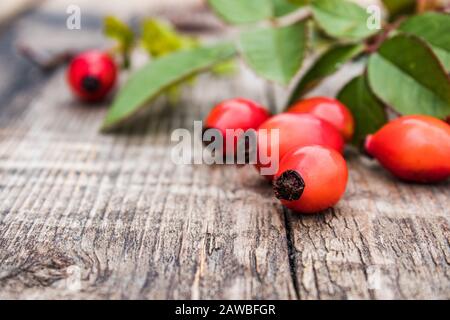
pixel 40 37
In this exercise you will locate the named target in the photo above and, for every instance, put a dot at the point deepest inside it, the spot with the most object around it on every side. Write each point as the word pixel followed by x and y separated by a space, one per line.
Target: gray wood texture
pixel 85 215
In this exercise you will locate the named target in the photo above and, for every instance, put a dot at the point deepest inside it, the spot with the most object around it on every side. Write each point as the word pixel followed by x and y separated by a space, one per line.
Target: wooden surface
pixel 85 215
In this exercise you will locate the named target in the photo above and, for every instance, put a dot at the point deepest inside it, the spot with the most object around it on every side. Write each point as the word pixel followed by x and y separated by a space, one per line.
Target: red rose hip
pixel 330 110
pixel 296 130
pixel 413 148
pixel 235 114
pixel 92 75
pixel 311 179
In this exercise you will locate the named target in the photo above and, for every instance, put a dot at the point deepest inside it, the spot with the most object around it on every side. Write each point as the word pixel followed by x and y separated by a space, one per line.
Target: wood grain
pixel 384 240
pixel 91 216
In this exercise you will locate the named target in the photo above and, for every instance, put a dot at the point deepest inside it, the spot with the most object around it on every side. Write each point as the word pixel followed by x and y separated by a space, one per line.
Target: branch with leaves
pixel 407 60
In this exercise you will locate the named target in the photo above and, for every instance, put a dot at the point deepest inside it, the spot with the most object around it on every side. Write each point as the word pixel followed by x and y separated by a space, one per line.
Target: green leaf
pixel 119 31
pixel 367 110
pixel 342 19
pixel 398 7
pixel 248 11
pixel 325 65
pixel 299 2
pixel 434 28
pixel 159 75
pixel 406 75
pixel 242 11
pixel 225 68
pixel 160 38
pixel 283 7
pixel 275 53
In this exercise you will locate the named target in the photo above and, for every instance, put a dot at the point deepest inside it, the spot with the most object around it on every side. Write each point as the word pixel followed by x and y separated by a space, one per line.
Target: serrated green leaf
pixel 122 33
pixel 342 19
pixel 397 7
pixel 434 28
pixel 225 68
pixel 325 65
pixel 406 75
pixel 368 112
pixel 299 2
pixel 159 75
pixel 118 30
pixel 248 11
pixel 275 53
pixel 160 38
pixel 242 11
pixel 283 7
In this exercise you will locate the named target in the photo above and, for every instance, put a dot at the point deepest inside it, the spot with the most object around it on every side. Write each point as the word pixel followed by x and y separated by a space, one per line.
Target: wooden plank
pixel 84 215
pixel 384 240
pixel 134 223
pixel 114 213
pixel 117 213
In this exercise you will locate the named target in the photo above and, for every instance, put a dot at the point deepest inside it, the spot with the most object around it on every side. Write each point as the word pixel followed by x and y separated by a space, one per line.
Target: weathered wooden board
pixel 85 215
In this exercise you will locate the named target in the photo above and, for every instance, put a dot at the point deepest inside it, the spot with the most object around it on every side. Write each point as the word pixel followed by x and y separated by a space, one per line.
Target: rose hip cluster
pixel 312 173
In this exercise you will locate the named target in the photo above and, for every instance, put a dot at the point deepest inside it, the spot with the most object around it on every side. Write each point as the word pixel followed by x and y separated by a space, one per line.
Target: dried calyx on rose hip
pixel 92 75
pixel 311 179
pixel 413 148
pixel 295 130
pixel 232 115
pixel 330 110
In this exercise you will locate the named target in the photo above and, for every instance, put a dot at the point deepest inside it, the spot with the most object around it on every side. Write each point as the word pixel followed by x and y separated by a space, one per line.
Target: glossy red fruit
pixel 92 75
pixel 296 130
pixel 330 110
pixel 236 114
pixel 413 148
pixel 311 179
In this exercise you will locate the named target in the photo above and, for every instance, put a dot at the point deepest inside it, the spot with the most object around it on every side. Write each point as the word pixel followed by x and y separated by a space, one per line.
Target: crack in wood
pixel 291 253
